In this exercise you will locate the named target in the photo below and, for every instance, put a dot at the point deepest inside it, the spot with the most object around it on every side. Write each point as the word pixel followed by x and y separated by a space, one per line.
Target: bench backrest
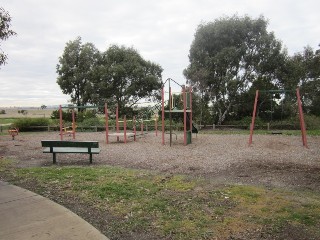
pixel 55 143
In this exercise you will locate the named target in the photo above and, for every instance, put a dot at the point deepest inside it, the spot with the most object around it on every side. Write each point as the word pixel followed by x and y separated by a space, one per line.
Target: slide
pixel 194 129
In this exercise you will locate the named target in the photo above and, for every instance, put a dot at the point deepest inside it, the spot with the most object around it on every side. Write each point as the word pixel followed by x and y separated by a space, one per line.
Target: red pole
pixel 134 128
pixel 184 115
pixel 162 103
pixel 107 123
pixel 156 125
pixel 117 121
pixel 302 123
pixel 73 125
pixel 60 113
pixel 190 92
pixel 125 128
pixel 253 117
pixel 141 127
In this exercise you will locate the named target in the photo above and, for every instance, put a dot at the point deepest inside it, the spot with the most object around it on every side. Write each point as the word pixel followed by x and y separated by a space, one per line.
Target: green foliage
pixel 74 70
pixel 5 32
pixel 179 207
pixel 89 122
pixel 123 77
pixel 87 114
pixel 66 115
pixel 2 111
pixel 229 54
pixel 312 122
pixel 25 124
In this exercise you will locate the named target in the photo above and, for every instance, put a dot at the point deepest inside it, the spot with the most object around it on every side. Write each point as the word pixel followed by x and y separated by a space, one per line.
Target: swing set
pixel 301 117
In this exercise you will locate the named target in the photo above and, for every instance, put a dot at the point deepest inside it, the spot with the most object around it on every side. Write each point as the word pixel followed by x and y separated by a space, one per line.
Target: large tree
pixel 123 77
pixel 228 55
pixel 303 70
pixel 75 70
pixel 5 32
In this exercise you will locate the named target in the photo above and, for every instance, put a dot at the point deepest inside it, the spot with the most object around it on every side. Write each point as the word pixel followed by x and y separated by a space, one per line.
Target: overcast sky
pixel 162 32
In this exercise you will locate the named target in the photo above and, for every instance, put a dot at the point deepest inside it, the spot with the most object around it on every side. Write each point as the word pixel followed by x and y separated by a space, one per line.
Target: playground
pixel 271 160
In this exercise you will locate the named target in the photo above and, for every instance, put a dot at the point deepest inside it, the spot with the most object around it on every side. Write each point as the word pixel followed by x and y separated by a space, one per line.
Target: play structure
pixel 125 134
pixel 186 98
pixel 301 117
pixel 67 130
pixel 13 132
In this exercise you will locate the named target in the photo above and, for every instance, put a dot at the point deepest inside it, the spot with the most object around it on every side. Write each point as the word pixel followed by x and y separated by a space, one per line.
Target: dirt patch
pixel 272 160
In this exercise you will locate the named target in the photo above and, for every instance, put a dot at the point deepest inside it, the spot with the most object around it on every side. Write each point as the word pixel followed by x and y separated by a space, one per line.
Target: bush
pixel 26 124
pixel 312 122
pixel 2 111
pixel 66 115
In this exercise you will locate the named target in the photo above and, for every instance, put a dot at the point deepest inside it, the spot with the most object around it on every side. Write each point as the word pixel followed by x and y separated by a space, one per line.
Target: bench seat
pixel 71 150
pixel 54 147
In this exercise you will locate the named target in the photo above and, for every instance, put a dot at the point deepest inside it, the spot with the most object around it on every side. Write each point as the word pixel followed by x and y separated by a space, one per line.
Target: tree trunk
pixel 222 116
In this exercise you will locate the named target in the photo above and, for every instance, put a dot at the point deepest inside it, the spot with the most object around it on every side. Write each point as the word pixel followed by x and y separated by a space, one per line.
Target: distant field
pixel 29 112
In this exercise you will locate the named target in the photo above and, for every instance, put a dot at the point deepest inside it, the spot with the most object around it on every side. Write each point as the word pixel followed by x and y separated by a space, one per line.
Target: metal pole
pixel 302 123
pixel 190 92
pixel 184 116
pixel 170 115
pixel 107 123
pixel 60 113
pixel 163 128
pixel 73 125
pixel 134 128
pixel 253 117
pixel 117 121
pixel 125 128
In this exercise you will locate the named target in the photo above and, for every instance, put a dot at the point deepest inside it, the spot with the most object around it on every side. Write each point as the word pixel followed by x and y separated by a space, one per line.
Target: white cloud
pixel 161 31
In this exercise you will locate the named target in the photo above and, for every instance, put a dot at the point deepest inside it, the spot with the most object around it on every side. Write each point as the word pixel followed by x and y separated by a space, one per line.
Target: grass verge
pixel 175 206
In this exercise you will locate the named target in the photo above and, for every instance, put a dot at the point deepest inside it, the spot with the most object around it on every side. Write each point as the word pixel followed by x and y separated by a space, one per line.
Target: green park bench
pixel 54 147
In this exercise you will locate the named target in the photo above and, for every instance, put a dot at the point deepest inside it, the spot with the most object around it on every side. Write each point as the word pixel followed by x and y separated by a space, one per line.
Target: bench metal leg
pixel 90 157
pixel 54 158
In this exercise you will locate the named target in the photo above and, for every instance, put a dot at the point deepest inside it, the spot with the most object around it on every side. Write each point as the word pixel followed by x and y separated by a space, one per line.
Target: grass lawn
pixel 167 206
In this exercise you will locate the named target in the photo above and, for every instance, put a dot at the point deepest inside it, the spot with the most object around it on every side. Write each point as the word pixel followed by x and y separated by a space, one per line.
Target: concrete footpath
pixel 26 215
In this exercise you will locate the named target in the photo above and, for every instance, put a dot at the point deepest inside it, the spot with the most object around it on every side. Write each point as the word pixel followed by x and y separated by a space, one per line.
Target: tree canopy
pixel 124 77
pixel 74 70
pixel 117 76
pixel 228 55
pixel 5 32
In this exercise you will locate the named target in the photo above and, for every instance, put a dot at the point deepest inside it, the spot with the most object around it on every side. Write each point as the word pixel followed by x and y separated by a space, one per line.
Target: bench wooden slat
pixel 55 143
pixel 71 150
pixel 54 146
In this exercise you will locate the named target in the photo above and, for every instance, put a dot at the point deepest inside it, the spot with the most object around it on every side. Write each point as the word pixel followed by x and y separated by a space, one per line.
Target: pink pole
pixel 162 103
pixel 107 123
pixel 253 117
pixel 302 123
pixel 156 125
pixel 125 128
pixel 134 128
pixel 184 116
pixel 190 92
pixel 73 125
pixel 117 121
pixel 60 114
pixel 141 128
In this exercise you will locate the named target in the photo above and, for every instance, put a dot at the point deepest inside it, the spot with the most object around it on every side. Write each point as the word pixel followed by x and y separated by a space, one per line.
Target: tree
pixel 75 70
pixel 5 32
pixel 123 77
pixel 228 55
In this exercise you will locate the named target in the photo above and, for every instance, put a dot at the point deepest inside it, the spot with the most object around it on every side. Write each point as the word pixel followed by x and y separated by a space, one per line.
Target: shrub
pixel 312 122
pixel 2 111
pixel 26 124
pixel 66 115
